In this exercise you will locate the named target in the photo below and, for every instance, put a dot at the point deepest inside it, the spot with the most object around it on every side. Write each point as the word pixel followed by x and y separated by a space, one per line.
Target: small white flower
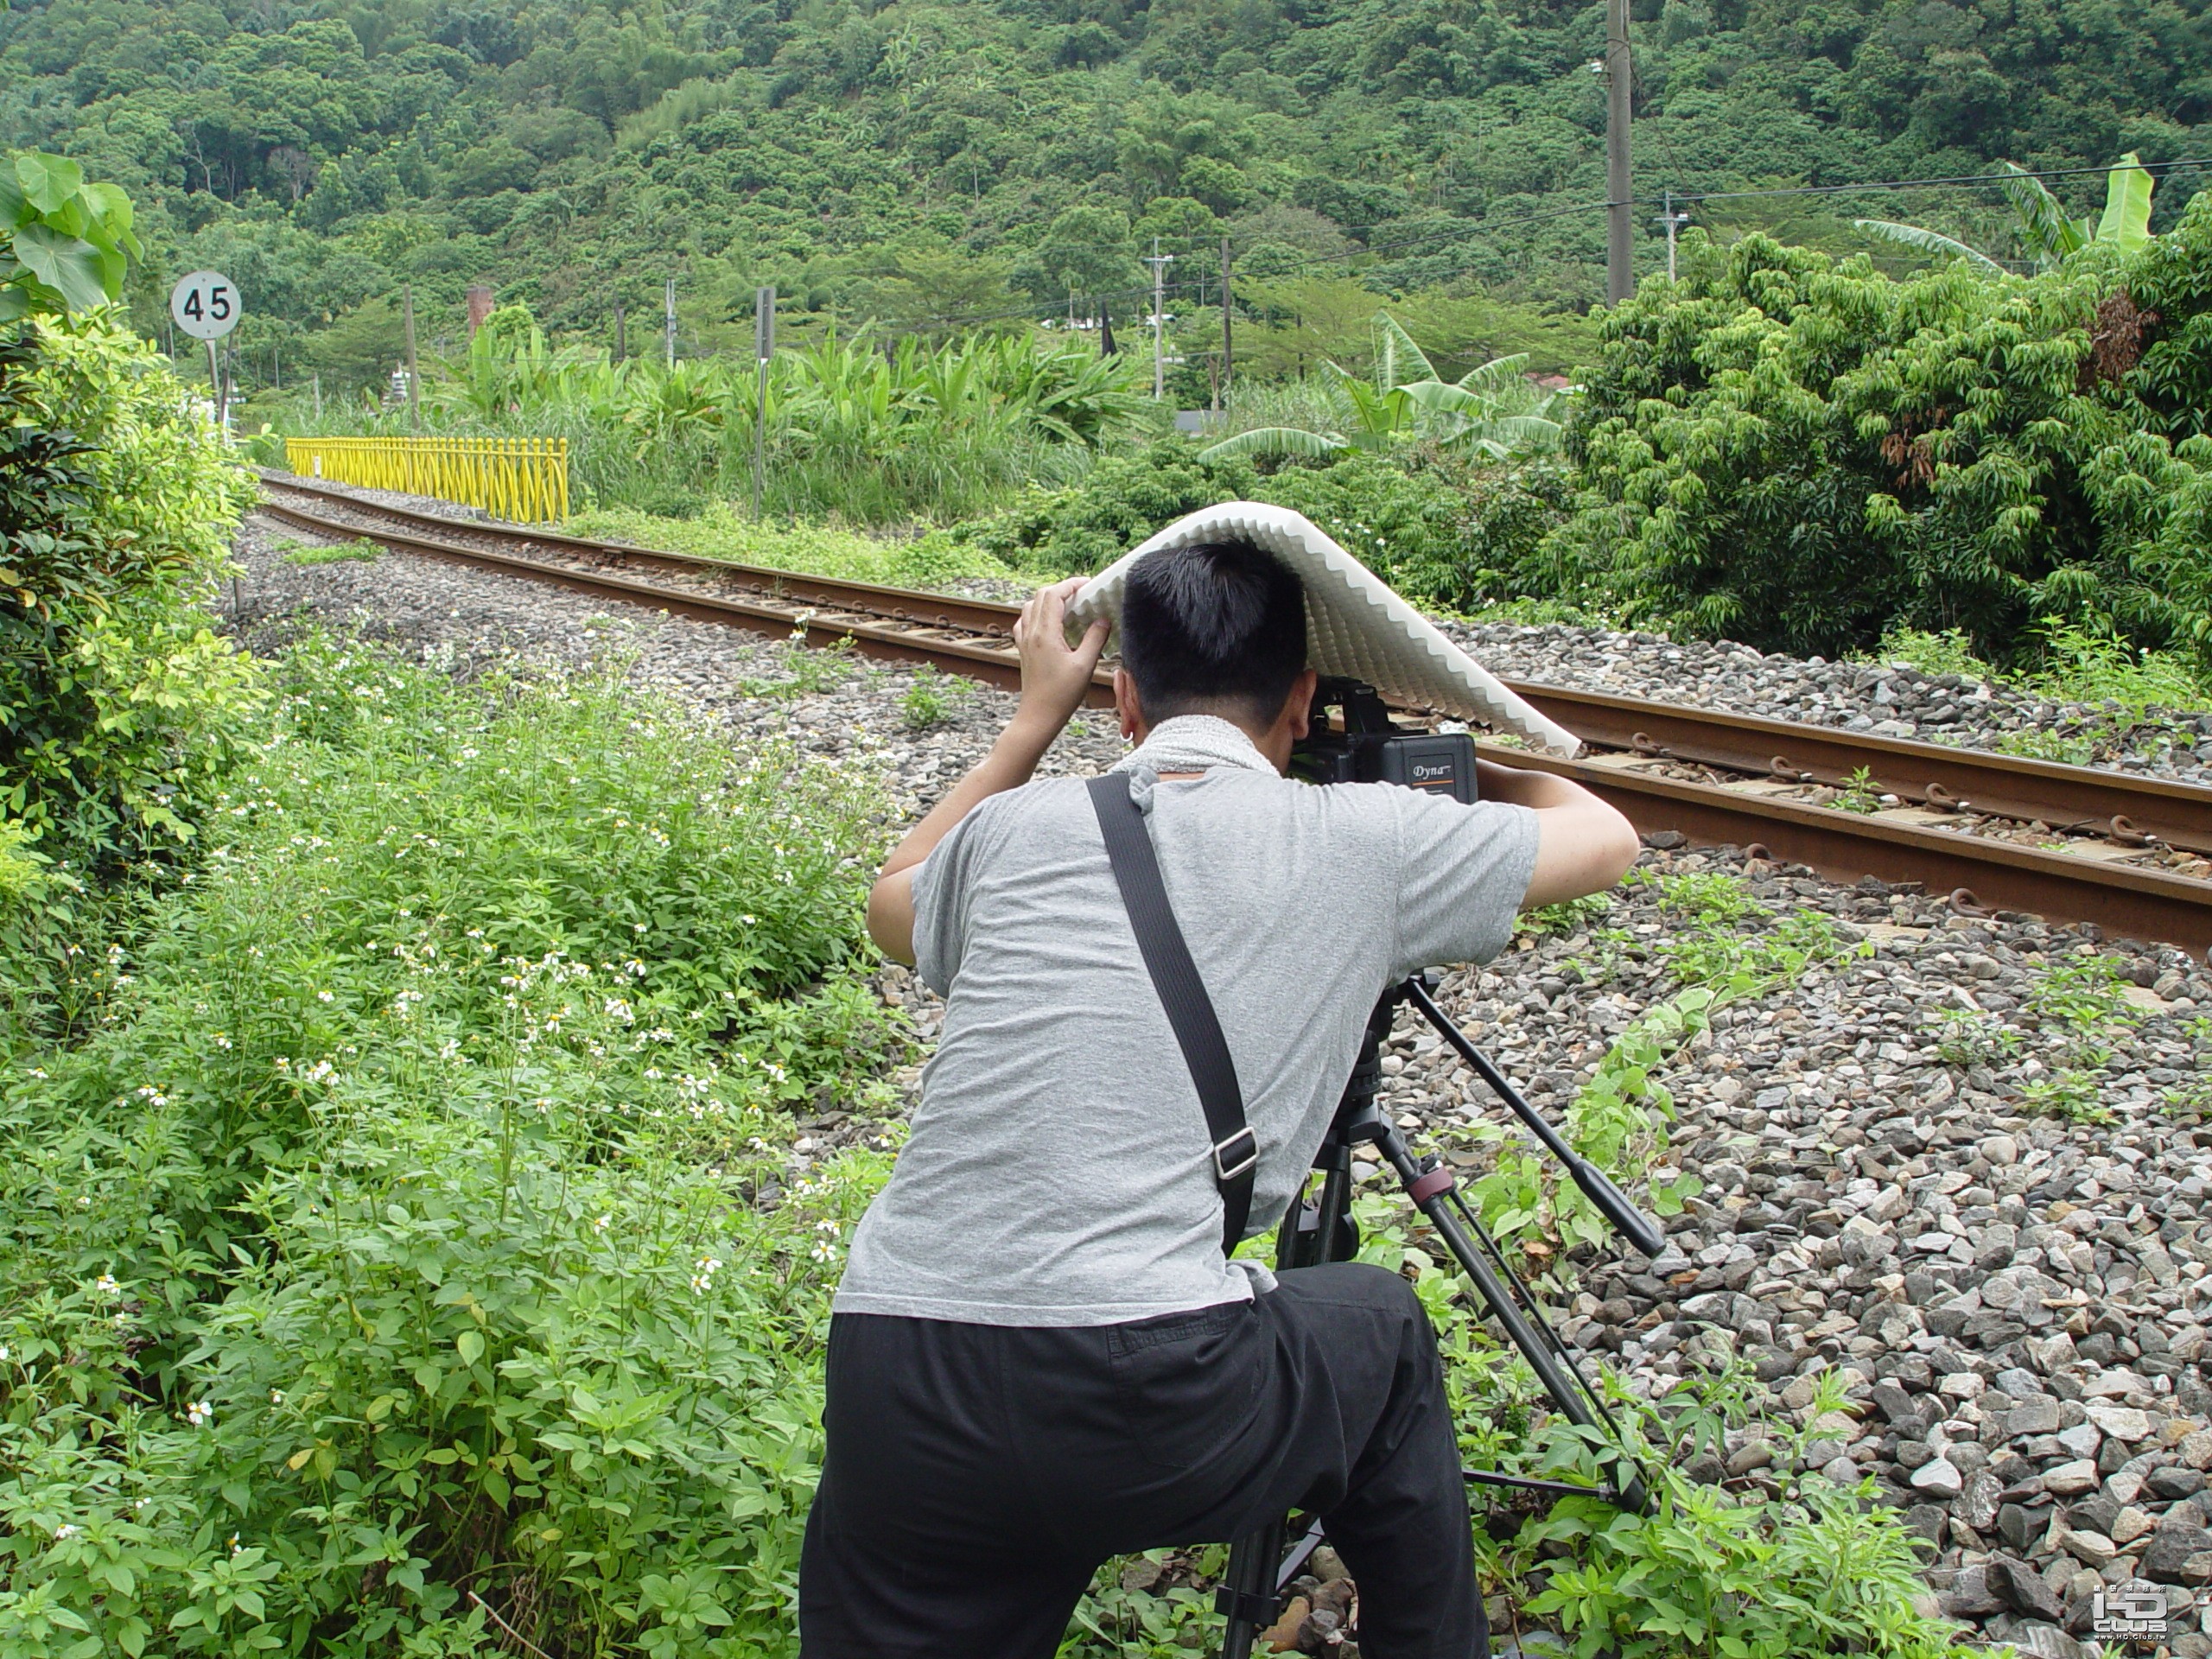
pixel 602 1223
pixel 106 1285
pixel 67 1529
pixel 201 1414
pixel 276 1397
pixel 322 996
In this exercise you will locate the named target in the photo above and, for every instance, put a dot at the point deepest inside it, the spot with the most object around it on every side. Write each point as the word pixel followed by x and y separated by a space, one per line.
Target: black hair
pixel 1210 626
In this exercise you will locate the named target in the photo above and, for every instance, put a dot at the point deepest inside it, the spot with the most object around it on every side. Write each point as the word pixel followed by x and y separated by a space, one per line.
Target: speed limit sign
pixel 205 305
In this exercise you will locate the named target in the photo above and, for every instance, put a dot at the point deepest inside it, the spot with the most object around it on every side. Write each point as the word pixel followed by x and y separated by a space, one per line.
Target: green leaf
pixel 49 181
pixel 1274 441
pixel 2044 222
pixel 470 1346
pixel 68 265
pixel 1912 236
pixel 2126 220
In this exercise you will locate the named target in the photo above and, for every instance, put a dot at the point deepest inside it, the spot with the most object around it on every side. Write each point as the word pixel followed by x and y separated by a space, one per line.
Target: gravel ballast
pixel 2014 1299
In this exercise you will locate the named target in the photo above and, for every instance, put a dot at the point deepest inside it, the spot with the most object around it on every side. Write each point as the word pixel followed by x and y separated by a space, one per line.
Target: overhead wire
pixel 1470 228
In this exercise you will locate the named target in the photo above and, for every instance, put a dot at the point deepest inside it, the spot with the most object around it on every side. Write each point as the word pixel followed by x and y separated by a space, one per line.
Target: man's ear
pixel 1126 704
pixel 1298 707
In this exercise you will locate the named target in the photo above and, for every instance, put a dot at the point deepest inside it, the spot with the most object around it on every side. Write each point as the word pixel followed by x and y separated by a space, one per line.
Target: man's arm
pixel 1054 677
pixel 1584 845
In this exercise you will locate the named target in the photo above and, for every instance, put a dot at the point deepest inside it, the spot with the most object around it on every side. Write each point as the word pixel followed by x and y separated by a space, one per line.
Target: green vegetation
pixel 416 1216
pixel 1795 451
pixel 1491 412
pixel 875 436
pixel 931 699
pixel 359 551
pixel 720 531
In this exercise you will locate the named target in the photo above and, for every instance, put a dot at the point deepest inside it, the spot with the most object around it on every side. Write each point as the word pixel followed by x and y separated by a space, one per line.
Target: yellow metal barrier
pixel 523 479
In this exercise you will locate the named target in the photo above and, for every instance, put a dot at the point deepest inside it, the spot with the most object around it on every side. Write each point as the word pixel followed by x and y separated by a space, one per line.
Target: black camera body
pixel 1363 746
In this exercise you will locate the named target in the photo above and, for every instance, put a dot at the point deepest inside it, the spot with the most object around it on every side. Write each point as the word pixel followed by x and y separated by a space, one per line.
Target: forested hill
pixel 935 157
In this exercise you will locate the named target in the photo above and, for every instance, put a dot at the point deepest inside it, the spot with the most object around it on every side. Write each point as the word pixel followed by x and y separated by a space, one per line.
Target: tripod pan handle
pixel 1629 1222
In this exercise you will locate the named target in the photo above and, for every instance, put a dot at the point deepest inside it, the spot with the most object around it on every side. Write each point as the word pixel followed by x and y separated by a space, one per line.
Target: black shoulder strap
pixel 1183 993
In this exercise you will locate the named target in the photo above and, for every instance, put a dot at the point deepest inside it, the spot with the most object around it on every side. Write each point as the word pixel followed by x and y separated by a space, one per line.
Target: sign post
pixel 207 306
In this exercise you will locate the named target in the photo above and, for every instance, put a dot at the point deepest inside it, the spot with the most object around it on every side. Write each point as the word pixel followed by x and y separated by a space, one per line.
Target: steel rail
pixel 2093 884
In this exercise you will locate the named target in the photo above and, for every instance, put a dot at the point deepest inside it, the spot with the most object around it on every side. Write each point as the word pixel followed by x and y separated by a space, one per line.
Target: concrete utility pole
pixel 318 394
pixel 671 322
pixel 1620 79
pixel 622 343
pixel 414 380
pixel 764 347
pixel 1228 310
pixel 1158 262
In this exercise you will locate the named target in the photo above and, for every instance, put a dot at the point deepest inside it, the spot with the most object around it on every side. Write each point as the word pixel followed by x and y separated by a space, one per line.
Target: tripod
pixel 1319 1228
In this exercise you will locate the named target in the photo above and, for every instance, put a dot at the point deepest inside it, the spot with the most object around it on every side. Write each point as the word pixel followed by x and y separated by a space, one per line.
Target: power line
pixel 1914 184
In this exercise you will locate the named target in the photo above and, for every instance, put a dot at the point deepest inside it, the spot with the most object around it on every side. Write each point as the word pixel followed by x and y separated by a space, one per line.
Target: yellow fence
pixel 525 479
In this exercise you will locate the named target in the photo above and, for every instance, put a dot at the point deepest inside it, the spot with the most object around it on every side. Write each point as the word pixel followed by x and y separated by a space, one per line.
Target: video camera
pixel 1362 745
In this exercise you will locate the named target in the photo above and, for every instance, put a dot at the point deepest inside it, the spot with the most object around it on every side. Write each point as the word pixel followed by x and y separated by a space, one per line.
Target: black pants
pixel 978 1475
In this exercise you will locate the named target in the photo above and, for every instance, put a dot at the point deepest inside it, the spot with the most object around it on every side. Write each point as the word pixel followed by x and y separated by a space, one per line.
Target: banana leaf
pixel 1275 440
pixel 2127 205
pixel 1929 242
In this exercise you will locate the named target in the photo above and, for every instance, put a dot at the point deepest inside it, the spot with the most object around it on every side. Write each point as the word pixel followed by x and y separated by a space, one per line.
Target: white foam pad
pixel 1355 626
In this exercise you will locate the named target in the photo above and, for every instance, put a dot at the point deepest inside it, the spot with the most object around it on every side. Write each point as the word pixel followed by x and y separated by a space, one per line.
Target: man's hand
pixel 1054 674
pixel 1054 677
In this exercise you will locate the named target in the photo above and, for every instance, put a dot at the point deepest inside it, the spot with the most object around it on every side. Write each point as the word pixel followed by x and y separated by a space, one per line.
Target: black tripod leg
pixel 1248 1589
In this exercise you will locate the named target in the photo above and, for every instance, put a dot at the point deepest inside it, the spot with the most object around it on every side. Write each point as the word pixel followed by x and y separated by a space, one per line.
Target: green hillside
pixel 935 159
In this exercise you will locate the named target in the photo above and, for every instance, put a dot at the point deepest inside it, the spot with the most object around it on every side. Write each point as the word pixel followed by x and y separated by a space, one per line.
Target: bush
pixel 1440 531
pixel 414 1227
pixel 119 707
pixel 1803 453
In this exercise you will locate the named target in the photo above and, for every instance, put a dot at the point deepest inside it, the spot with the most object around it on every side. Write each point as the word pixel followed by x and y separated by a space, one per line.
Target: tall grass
pixel 871 432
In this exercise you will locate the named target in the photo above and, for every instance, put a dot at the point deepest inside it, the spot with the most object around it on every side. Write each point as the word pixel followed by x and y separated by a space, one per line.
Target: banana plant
pixel 1490 411
pixel 2049 233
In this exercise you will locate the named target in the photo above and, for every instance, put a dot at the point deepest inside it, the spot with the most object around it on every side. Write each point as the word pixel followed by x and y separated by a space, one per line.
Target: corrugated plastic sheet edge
pixel 1404 656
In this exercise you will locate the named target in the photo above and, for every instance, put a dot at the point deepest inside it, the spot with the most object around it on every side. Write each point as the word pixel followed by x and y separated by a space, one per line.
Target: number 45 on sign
pixel 206 305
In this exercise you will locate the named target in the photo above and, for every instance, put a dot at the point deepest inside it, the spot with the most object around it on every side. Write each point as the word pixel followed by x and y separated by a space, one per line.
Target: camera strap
pixel 1183 993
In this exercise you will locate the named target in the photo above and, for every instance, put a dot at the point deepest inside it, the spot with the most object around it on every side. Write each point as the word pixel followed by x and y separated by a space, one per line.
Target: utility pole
pixel 414 380
pixel 621 342
pixel 1670 222
pixel 671 322
pixel 1228 310
pixel 1158 262
pixel 318 394
pixel 764 347
pixel 1620 78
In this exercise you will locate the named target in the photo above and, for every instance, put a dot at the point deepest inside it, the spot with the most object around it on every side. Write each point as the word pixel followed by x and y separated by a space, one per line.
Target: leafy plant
pixel 2049 235
pixel 931 699
pixel 359 551
pixel 1491 410
pixel 68 243
pixel 1805 454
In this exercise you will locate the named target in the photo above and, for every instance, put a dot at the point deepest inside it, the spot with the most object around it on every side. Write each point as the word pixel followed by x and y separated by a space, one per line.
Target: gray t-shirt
pixel 1058 1170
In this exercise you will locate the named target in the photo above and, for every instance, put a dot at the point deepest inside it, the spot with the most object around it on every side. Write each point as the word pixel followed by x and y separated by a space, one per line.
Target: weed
pixel 1968 1038
pixel 931 699
pixel 1858 793
pixel 1709 898
pixel 807 670
pixel 359 551
pixel 1948 652
pixel 2082 995
pixel 2088 663
pixel 2073 1092
pixel 2047 743
pixel 1569 916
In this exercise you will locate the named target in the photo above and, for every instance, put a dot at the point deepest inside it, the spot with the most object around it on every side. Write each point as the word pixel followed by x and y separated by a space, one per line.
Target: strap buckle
pixel 1244 1145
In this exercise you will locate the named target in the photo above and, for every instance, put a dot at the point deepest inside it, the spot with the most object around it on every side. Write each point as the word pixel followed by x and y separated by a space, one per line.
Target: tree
pixel 2049 233
pixel 1491 412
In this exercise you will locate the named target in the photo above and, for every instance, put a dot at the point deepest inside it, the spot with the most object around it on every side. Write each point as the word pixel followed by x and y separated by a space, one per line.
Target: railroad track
pixel 2132 855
